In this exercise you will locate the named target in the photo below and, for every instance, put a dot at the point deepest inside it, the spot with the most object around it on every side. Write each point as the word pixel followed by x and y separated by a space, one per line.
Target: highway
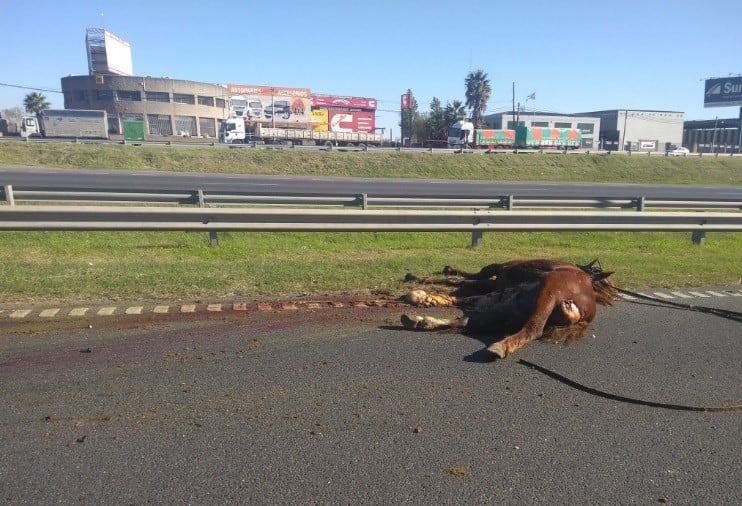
pixel 309 185
pixel 342 406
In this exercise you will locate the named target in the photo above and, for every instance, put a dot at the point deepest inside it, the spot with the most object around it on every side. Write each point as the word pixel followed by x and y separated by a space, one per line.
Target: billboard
pixel 723 92
pixel 107 53
pixel 270 104
pixel 351 121
pixel 343 102
pixel 267 91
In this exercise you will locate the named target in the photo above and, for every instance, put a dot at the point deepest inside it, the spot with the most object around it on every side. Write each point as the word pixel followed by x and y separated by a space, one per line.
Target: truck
pixel 78 123
pixel 240 130
pixel 463 134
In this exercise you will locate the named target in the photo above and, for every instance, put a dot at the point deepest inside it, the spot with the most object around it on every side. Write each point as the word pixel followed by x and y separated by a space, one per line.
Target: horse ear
pixel 600 276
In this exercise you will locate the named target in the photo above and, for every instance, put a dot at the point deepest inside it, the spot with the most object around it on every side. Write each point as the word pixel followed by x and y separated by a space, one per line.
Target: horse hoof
pixel 410 322
pixel 497 349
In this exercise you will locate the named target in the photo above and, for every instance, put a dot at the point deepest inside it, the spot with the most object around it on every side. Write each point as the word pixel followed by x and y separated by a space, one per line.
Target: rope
pixel 621 398
pixel 724 313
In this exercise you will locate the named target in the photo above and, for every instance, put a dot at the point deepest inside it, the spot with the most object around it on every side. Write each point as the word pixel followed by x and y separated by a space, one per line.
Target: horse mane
pixel 605 290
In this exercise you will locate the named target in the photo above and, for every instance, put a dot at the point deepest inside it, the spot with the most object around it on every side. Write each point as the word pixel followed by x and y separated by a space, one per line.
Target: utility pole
pixel 515 124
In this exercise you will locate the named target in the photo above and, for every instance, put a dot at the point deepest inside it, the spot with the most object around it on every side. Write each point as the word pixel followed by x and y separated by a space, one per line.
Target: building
pixel 166 106
pixel 587 125
pixel 712 135
pixel 638 130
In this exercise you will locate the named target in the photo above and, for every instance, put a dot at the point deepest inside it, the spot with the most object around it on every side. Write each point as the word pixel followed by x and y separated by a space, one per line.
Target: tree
pixel 454 111
pixel 407 119
pixel 35 103
pixel 478 92
pixel 12 116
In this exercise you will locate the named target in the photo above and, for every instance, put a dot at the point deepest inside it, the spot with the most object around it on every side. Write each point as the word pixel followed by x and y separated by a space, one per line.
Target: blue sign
pixel 723 92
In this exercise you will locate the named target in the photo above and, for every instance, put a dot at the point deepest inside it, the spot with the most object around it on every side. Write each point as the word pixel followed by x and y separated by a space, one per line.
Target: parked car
pixel 679 152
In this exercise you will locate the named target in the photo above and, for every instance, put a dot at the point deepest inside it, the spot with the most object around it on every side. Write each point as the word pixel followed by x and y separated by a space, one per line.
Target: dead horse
pixel 536 299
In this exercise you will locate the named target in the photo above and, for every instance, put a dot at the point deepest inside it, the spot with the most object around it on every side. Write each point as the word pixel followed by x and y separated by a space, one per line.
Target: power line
pixel 29 88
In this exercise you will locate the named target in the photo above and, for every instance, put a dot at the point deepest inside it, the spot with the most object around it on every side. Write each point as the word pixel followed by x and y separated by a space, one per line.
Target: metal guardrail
pixel 223 211
pixel 179 141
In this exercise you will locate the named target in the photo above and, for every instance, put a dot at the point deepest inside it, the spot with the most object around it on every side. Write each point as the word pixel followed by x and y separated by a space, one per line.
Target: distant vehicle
pixel 463 134
pixel 241 130
pixel 66 123
pixel 679 152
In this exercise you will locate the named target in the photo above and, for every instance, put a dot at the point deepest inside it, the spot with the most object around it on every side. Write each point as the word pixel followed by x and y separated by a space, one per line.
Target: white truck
pixel 461 134
pixel 76 123
pixel 239 131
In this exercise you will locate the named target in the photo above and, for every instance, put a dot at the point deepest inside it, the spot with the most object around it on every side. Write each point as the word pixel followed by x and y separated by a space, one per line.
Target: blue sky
pixel 575 55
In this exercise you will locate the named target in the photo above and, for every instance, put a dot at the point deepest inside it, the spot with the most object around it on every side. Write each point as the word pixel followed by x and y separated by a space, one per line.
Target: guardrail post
pixel 640 204
pixel 9 194
pixel 476 238
pixel 699 237
pixel 364 201
pixel 511 200
pixel 213 239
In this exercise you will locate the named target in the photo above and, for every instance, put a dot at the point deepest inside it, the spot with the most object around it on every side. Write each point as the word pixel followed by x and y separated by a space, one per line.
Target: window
pixel 561 124
pixel 586 128
pixel 206 101
pixel 185 125
pixel 159 124
pixel 206 127
pixel 544 124
pixel 129 96
pixel 182 98
pixel 104 95
pixel 157 96
pixel 220 102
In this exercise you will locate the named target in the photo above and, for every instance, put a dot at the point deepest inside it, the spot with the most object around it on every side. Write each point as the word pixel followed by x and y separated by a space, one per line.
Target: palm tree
pixel 478 92
pixel 35 103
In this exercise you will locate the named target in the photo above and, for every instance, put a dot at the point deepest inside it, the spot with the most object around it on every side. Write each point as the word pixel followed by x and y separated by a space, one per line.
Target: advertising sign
pixel 406 101
pixel 723 92
pixel 356 121
pixel 319 120
pixel 346 102
pixel 267 91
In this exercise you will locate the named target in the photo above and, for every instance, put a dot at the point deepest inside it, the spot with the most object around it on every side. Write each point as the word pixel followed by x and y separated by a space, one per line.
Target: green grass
pixel 78 266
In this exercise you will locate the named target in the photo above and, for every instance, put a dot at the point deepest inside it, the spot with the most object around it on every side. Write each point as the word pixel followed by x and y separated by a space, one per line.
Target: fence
pixel 224 211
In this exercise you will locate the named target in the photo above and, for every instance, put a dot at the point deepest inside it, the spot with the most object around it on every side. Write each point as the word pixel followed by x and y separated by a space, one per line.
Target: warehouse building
pixel 588 126
pixel 638 130
pixel 166 106
pixel 712 136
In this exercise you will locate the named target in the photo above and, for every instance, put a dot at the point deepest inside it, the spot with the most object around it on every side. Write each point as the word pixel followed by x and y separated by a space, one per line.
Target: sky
pixel 575 56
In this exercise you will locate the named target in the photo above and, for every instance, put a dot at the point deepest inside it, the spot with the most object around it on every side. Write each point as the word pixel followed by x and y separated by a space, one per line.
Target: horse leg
pixel 415 322
pixel 531 330
pixel 486 272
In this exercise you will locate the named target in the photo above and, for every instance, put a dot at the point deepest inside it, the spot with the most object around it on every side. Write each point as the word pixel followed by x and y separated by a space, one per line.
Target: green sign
pixel 133 130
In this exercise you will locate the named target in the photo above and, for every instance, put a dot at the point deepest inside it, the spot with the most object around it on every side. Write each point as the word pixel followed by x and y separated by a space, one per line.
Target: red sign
pixel 406 101
pixel 356 121
pixel 345 102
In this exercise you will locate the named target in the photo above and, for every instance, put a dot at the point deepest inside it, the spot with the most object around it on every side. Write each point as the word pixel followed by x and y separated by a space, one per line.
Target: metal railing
pixel 224 211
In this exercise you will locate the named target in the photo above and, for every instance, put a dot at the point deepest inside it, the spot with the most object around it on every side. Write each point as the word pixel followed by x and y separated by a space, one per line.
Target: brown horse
pixel 534 299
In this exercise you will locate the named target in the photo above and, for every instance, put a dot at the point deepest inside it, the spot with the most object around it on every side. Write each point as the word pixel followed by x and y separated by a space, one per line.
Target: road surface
pixel 342 406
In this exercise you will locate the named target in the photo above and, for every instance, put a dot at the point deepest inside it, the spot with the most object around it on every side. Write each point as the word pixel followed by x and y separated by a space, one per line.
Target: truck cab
pixel 461 134
pixel 30 126
pixel 232 131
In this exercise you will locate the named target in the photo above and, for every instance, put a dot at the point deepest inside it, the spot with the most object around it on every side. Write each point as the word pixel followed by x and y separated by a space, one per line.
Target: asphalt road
pixel 341 406
pixel 345 186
